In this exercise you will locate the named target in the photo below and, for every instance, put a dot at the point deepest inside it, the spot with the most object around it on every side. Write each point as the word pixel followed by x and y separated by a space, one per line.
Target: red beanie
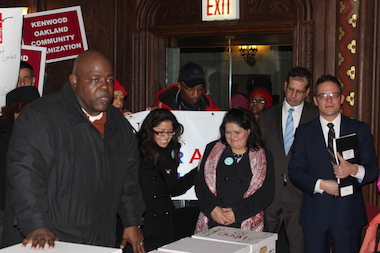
pixel 117 86
pixel 266 95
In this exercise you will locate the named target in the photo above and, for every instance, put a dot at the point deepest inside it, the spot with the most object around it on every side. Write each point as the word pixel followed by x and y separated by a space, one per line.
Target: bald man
pixel 72 166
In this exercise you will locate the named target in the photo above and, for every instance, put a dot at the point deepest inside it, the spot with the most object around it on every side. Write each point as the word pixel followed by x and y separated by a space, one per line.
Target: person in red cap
pixel 258 100
pixel 119 94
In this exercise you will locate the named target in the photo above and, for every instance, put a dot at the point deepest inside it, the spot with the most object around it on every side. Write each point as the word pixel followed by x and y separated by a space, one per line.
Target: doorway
pixel 227 68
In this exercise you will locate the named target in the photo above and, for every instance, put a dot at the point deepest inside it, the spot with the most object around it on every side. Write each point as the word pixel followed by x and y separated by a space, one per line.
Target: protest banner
pixel 61 31
pixel 36 57
pixel 10 49
pixel 200 128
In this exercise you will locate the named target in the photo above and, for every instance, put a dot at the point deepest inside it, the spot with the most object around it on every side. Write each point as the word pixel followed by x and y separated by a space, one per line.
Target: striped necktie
pixel 289 132
pixel 330 138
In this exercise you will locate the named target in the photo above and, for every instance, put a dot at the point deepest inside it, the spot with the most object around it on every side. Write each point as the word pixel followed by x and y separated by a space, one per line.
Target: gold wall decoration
pixel 351 98
pixel 352 46
pixel 340 59
pixel 351 72
pixel 353 20
pixel 341 33
pixel 342 7
pixel 347 56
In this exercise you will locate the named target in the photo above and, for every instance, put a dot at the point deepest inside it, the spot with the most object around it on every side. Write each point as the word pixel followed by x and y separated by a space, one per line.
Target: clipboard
pixel 348 147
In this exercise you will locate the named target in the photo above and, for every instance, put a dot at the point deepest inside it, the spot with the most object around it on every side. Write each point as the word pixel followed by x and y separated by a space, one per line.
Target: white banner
pixel 10 49
pixel 200 128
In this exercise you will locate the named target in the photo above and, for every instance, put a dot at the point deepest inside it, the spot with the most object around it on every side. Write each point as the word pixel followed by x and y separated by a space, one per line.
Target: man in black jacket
pixel 72 165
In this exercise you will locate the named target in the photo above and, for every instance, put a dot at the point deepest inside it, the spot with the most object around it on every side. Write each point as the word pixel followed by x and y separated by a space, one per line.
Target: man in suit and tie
pixel 327 216
pixel 278 124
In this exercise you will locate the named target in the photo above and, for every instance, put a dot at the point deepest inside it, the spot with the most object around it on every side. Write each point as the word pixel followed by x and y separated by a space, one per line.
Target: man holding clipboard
pixel 328 215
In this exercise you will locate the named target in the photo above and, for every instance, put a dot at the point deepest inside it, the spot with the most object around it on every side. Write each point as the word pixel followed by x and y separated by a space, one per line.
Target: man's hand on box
pixel 40 237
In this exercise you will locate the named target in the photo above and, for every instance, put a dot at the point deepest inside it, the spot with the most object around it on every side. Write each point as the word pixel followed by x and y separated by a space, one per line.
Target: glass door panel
pixel 230 65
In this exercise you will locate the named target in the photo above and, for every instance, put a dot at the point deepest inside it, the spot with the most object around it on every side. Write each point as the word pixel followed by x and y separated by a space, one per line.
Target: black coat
pixel 158 185
pixel 232 182
pixel 61 173
pixel 5 136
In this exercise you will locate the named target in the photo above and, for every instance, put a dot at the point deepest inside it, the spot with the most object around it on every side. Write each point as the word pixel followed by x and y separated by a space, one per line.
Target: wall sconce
pixel 25 10
pixel 248 53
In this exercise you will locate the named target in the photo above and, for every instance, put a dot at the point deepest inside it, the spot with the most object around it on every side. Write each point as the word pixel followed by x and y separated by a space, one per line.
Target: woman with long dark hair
pixel 159 148
pixel 235 182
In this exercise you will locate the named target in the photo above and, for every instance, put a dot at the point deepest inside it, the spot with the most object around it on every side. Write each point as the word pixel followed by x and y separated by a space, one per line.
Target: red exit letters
pixel 218 7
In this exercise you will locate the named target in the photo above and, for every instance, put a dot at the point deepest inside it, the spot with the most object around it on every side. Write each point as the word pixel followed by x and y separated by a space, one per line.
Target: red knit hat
pixel 117 86
pixel 266 95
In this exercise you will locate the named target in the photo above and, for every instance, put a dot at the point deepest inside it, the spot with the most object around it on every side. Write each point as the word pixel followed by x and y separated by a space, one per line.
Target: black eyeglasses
pixel 161 134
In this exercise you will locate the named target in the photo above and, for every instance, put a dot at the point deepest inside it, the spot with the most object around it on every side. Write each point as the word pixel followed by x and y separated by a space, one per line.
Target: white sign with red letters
pixel 220 10
pixel 10 49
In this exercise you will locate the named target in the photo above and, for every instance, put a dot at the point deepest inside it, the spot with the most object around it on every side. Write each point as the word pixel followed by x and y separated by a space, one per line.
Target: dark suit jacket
pixel 270 122
pixel 310 161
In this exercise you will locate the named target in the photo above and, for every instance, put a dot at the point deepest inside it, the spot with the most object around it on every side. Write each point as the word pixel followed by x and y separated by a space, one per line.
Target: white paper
pixel 192 245
pixel 62 247
pixel 10 50
pixel 256 240
pixel 347 190
pixel 348 154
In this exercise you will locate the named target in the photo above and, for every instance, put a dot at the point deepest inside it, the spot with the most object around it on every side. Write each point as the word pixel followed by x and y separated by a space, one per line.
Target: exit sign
pixel 220 10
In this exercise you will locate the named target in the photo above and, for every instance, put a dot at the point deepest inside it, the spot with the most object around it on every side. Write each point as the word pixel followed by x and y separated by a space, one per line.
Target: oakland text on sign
pixel 61 31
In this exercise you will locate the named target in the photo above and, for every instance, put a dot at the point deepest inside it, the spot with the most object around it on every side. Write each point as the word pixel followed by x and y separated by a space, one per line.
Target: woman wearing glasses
pixel 235 182
pixel 259 99
pixel 159 158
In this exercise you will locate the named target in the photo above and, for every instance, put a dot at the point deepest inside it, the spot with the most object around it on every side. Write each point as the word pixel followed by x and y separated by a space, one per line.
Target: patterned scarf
pixel 258 164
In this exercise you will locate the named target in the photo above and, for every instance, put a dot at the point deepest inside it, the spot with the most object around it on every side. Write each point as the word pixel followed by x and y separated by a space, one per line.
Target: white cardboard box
pixel 62 247
pixel 259 242
pixel 193 245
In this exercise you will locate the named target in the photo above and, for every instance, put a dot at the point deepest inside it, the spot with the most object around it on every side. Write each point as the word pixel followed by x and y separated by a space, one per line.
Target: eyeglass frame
pixel 192 90
pixel 293 90
pixel 334 95
pixel 162 134
pixel 259 101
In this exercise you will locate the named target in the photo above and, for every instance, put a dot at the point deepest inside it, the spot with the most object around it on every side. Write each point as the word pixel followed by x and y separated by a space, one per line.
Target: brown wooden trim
pixel 373 87
pixel 215 28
